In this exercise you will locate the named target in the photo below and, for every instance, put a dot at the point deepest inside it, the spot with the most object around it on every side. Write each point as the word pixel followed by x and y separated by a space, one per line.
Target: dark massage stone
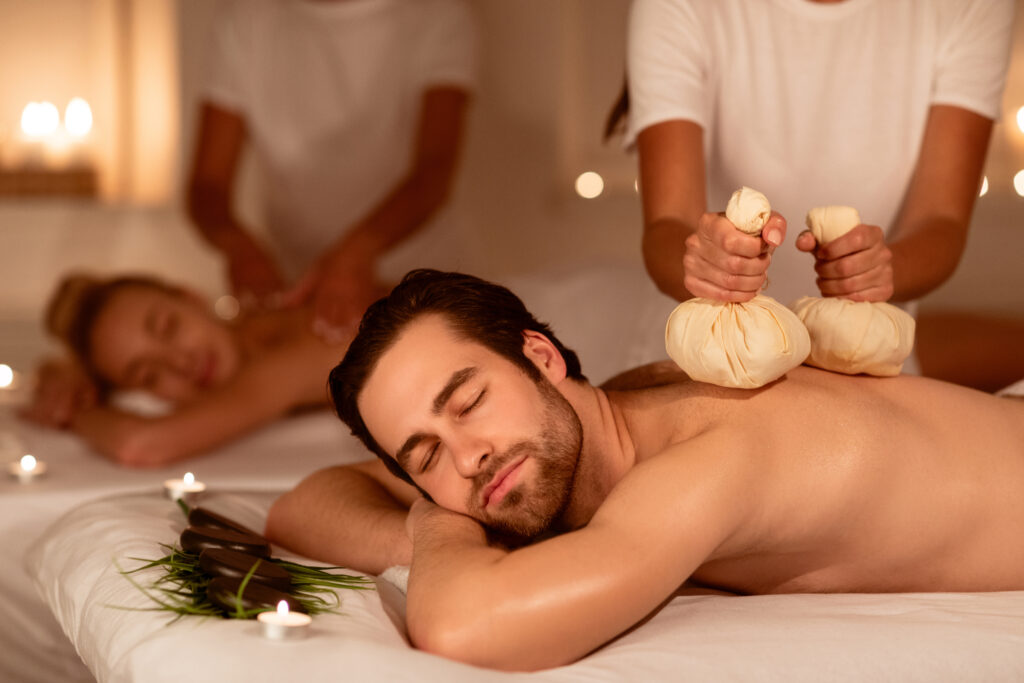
pixel 198 516
pixel 223 591
pixel 235 565
pixel 196 539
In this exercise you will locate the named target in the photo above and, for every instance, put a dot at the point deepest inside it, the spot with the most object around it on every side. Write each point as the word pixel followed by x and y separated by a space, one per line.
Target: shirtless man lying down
pixel 818 482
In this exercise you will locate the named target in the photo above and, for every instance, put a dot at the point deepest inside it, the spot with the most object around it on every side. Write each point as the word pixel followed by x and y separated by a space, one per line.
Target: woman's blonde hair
pixel 76 304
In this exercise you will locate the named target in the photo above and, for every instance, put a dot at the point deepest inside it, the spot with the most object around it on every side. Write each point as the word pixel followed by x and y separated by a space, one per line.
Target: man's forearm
pixel 345 517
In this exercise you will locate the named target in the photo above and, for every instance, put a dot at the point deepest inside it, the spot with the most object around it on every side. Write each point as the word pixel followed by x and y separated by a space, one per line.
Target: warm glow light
pixel 189 479
pixel 6 376
pixel 589 185
pixel 227 307
pixel 984 186
pixel 1020 119
pixel 28 463
pixel 636 185
pixel 78 117
pixel 1018 182
pixel 282 608
pixel 39 119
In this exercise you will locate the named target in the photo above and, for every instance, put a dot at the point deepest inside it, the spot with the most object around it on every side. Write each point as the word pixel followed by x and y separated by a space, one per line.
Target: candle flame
pixel 282 608
pixel 28 462
pixel 6 375
pixel 189 479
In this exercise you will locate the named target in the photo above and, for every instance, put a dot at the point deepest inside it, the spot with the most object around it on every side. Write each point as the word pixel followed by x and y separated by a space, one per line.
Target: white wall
pixel 550 72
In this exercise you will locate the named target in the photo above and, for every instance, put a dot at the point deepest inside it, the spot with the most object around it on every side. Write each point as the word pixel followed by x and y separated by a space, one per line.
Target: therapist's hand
pixel 339 287
pixel 856 266
pixel 254 275
pixel 725 264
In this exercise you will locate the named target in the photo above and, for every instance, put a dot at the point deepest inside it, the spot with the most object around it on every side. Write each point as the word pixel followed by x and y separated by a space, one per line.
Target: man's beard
pixel 525 513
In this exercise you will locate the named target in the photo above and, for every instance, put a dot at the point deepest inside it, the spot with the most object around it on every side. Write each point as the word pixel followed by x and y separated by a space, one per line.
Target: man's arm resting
pixel 551 603
pixel 351 516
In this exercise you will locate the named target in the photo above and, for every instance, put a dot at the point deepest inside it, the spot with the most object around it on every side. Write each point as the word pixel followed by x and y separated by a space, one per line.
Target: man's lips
pixel 502 481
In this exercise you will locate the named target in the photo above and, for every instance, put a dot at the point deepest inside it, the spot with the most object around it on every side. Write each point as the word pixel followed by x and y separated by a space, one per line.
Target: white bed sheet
pixel 904 637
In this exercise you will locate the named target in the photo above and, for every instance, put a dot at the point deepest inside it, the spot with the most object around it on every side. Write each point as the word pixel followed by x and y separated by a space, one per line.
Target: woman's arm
pixel 689 252
pixel 285 378
pixel 351 516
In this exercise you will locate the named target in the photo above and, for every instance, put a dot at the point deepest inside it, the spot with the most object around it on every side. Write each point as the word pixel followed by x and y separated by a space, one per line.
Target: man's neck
pixel 608 453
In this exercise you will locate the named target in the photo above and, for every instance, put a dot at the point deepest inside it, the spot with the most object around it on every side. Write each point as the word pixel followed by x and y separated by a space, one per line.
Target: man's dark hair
pixel 477 310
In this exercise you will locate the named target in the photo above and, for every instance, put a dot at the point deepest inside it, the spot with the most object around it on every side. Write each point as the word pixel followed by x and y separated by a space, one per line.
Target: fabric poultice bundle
pixel 740 345
pixel 852 337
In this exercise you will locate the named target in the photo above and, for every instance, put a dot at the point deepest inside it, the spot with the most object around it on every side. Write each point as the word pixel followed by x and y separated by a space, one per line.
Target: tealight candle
pixel 7 376
pixel 284 625
pixel 28 469
pixel 186 487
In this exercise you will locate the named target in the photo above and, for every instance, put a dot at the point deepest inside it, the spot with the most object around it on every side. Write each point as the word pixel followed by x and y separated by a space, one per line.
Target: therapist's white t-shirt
pixel 331 94
pixel 813 103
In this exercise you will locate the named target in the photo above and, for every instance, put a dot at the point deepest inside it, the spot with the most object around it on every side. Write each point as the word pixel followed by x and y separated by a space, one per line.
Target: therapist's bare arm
pixel 931 230
pixel 222 134
pixel 550 603
pixel 688 251
pixel 350 515
pixel 928 237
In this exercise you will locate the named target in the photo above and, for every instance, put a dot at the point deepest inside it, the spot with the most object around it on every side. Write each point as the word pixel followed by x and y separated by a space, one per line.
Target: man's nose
pixel 470 455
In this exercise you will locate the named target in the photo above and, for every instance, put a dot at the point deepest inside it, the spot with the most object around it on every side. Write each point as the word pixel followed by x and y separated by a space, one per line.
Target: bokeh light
pixel 589 185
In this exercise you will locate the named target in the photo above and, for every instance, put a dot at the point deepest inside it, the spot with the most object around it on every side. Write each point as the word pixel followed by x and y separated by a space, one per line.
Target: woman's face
pixel 167 343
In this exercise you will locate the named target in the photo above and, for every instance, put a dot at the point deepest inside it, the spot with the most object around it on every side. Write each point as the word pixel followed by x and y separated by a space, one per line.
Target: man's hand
pixel 339 286
pixel 856 266
pixel 62 390
pixel 254 275
pixel 423 511
pixel 723 263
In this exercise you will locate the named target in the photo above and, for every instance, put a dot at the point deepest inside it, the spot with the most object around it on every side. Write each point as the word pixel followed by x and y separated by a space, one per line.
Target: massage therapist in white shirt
pixel 886 106
pixel 355 110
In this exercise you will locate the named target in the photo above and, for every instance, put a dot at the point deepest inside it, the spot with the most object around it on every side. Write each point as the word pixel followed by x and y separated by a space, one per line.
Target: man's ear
pixel 539 350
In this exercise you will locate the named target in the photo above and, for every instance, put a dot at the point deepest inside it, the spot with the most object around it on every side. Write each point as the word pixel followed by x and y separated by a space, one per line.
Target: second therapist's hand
pixel 725 264
pixel 254 275
pixel 339 287
pixel 856 266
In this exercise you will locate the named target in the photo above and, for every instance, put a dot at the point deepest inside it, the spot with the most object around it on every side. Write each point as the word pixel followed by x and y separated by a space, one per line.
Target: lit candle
pixel 186 487
pixel 284 625
pixel 28 469
pixel 6 376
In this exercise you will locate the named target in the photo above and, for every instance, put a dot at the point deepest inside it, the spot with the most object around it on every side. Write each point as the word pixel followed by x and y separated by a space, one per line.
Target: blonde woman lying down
pixel 222 379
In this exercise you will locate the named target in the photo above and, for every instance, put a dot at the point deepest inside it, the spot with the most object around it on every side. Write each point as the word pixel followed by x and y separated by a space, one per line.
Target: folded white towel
pixel 398 576
pixel 1016 389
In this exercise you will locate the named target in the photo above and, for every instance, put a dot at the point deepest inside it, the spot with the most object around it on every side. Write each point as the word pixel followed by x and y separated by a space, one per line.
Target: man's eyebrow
pixel 402 457
pixel 458 378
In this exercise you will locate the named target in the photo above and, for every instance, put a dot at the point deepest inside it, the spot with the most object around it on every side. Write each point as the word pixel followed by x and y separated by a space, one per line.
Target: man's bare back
pixel 852 483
